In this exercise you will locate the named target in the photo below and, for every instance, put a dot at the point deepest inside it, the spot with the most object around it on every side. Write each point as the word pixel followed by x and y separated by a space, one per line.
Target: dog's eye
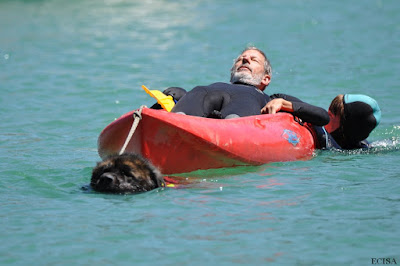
pixel 126 172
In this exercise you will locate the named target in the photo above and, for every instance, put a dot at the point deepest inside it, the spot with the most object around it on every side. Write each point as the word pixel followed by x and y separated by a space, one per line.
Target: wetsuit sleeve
pixel 306 112
pixel 325 141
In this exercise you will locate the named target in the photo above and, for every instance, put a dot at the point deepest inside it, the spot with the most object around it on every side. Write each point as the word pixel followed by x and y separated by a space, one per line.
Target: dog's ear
pixel 154 172
pixel 157 178
pixel 156 175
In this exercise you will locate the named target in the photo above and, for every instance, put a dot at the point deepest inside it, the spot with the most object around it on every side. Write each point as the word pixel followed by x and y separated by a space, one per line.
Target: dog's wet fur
pixel 124 174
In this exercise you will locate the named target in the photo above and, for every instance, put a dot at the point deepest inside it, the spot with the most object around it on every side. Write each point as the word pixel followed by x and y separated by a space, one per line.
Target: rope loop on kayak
pixel 137 116
pixel 298 120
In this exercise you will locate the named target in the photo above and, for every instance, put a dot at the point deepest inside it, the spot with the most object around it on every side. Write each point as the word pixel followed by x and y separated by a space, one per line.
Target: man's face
pixel 249 68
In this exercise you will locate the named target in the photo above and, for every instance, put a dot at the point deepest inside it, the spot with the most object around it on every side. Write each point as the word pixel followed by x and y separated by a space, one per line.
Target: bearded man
pixel 244 96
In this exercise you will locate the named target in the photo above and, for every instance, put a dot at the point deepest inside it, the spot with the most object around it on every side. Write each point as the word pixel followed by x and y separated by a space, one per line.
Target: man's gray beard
pixel 246 78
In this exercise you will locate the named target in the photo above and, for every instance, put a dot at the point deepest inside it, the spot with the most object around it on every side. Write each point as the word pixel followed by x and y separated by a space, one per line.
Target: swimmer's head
pixel 362 115
pixel 359 115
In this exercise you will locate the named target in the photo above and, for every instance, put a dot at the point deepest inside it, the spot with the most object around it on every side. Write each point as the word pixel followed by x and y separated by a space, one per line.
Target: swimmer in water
pixel 352 119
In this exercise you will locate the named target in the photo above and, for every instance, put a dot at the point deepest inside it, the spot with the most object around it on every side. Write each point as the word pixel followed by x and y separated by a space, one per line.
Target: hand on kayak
pixel 277 105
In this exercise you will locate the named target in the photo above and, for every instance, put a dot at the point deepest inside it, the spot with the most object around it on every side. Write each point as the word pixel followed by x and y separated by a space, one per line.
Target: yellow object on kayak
pixel 166 102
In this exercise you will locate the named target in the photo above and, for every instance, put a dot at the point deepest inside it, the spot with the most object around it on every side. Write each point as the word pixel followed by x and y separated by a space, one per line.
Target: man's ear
pixel 266 80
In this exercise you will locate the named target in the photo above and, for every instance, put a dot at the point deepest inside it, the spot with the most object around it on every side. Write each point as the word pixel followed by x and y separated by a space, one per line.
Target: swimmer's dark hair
pixel 337 106
pixel 337 109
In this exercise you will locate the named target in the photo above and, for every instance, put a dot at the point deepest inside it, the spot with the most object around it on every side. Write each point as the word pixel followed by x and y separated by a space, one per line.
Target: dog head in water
pixel 126 173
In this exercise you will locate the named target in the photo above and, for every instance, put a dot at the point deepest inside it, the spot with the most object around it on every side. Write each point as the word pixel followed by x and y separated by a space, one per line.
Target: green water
pixel 68 68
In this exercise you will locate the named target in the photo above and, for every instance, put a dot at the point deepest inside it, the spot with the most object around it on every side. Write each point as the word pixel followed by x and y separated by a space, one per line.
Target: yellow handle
pixel 166 102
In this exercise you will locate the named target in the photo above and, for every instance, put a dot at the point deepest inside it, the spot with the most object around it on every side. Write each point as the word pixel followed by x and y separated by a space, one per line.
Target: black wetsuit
pixel 327 142
pixel 234 99
pixel 219 100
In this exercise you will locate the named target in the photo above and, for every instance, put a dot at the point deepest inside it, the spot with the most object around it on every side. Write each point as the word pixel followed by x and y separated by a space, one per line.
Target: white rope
pixel 137 116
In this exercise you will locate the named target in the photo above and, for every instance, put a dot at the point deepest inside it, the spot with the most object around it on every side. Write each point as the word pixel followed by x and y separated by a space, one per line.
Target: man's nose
pixel 245 59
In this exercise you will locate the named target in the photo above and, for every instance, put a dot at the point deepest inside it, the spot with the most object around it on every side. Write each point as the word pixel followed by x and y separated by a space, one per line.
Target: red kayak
pixel 179 143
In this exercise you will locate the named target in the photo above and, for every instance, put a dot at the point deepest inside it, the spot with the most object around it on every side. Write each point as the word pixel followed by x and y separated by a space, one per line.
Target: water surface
pixel 68 68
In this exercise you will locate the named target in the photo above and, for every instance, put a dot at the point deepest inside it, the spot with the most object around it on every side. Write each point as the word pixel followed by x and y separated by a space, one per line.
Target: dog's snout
pixel 106 179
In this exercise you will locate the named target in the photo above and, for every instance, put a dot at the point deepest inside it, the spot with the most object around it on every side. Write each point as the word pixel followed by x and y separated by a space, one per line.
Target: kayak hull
pixel 179 143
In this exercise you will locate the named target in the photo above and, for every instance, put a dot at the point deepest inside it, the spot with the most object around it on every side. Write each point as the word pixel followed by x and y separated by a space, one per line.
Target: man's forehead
pixel 253 52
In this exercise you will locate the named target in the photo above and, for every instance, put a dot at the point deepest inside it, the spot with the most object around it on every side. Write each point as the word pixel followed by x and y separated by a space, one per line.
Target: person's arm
pixel 276 105
pixel 306 112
